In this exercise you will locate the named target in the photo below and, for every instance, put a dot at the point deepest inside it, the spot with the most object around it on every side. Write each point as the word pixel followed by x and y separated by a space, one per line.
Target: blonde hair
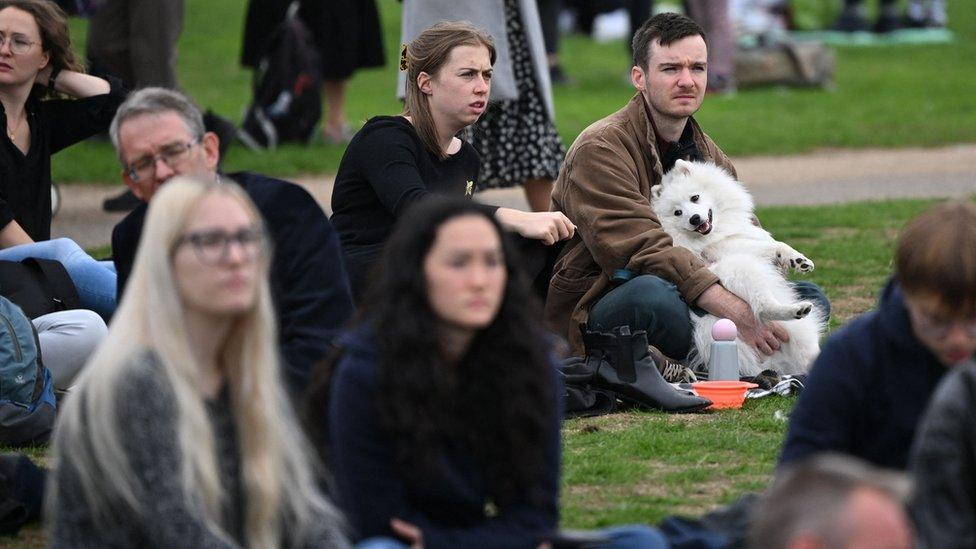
pixel 279 482
pixel 428 53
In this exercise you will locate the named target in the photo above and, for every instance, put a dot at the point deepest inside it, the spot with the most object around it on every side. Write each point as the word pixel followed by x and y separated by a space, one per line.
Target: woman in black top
pixel 441 419
pixel 38 68
pixel 394 161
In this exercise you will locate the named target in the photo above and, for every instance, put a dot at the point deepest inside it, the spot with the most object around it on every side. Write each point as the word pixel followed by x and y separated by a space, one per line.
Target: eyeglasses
pixel 19 44
pixel 173 155
pixel 213 247
pixel 938 329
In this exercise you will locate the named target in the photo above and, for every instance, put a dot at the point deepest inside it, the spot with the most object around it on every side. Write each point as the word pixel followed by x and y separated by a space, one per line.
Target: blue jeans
pixel 621 537
pixel 650 303
pixel 94 280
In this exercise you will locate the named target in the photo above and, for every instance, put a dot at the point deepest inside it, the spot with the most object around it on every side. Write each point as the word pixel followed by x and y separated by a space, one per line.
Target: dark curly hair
pixel 498 402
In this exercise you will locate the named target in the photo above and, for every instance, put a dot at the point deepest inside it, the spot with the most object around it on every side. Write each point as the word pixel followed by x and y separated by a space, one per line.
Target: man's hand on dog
pixel 765 337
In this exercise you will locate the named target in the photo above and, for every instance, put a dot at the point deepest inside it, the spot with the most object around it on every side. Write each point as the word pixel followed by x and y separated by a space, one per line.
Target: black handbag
pixel 38 286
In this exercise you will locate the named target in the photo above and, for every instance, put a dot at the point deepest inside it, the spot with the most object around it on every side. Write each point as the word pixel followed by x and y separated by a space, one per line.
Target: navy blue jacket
pixel 867 390
pixel 450 512
pixel 308 279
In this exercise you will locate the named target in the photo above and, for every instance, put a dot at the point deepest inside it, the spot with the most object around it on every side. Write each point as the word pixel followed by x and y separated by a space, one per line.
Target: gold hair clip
pixel 403 57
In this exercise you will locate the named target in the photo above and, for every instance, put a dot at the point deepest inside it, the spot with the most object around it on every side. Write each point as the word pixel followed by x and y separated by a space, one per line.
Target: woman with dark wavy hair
pixel 442 409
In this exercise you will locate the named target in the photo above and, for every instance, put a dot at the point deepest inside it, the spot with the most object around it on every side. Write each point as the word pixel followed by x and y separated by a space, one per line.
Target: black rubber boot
pixel 623 364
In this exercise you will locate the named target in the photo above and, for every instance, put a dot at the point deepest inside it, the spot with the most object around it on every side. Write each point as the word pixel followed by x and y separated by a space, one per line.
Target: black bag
pixel 38 286
pixel 287 102
pixel 21 492
pixel 580 398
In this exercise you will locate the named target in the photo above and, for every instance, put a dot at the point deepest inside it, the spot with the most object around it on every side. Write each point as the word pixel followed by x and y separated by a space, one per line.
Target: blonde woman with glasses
pixel 179 433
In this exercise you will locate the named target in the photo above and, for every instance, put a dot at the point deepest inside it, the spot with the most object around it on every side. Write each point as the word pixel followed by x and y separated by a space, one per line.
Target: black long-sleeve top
pixel 385 169
pixel 451 511
pixel 308 280
pixel 25 180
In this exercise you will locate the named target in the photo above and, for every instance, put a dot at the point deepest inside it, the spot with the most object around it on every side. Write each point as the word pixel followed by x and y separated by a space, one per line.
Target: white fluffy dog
pixel 708 212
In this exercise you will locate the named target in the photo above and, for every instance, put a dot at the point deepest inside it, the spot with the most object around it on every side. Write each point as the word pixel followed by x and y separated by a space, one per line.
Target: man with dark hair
pixel 831 501
pixel 621 268
pixel 873 380
pixel 159 134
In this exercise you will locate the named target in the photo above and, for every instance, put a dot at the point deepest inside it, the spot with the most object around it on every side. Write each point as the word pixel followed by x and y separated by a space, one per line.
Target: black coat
pixel 347 33
pixel 308 278
pixel 944 465
pixel 867 390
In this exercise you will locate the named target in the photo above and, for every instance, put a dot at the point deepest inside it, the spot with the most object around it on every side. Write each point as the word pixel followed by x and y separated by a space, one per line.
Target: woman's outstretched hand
pixel 549 227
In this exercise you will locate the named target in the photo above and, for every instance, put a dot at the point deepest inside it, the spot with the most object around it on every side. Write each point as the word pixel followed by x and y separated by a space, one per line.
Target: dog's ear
pixel 656 190
pixel 682 167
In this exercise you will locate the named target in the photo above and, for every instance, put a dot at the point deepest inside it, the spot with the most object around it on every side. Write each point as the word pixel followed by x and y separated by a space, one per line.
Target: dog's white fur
pixel 696 198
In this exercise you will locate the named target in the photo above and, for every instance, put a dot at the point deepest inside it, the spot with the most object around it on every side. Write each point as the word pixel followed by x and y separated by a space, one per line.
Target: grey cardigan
pixel 490 16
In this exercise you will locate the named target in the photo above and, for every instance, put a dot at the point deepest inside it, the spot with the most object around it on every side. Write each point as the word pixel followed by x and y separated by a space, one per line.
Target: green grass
pixel 884 97
pixel 642 466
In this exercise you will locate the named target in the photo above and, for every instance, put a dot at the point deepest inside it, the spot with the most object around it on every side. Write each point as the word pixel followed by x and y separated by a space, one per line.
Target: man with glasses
pixel 872 382
pixel 158 134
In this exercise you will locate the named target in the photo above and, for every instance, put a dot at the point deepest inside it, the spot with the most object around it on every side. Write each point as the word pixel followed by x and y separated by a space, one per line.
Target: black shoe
pixel 851 20
pixel 558 76
pixel 121 203
pixel 887 22
pixel 622 364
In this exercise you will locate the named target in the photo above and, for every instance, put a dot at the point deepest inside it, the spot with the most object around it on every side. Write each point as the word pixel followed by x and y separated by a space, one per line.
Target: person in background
pixel 713 16
pixel 833 501
pixel 440 418
pixel 919 14
pixel 874 378
pixel 179 432
pixel 943 462
pixel 348 37
pixel 159 134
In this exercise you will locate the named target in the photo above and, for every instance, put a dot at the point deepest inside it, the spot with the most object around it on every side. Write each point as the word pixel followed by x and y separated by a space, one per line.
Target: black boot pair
pixel 620 362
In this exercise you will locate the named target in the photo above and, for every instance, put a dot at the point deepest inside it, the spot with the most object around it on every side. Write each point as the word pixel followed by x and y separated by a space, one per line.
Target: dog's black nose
pixel 695 220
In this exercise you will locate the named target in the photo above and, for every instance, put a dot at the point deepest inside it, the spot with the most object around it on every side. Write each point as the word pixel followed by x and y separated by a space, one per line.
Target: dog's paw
pixel 801 264
pixel 803 308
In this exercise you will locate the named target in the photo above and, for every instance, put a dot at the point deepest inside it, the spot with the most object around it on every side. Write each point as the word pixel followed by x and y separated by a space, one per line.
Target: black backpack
pixel 38 286
pixel 287 102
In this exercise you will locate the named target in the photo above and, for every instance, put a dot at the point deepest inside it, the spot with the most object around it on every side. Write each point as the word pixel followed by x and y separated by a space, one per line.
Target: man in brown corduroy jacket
pixel 621 267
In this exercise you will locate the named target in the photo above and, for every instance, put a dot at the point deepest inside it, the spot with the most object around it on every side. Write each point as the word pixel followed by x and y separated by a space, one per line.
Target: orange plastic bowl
pixel 723 394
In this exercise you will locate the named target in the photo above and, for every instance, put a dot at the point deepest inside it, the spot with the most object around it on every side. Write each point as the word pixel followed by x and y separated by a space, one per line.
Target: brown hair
pixel 428 53
pixel 936 255
pixel 55 39
pixel 665 29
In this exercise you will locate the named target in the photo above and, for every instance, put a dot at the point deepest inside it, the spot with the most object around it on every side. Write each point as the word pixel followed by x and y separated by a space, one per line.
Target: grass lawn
pixel 642 466
pixel 884 97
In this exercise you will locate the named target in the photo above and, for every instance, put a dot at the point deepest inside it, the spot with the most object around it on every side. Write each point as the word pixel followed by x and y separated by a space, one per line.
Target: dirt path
pixel 824 177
